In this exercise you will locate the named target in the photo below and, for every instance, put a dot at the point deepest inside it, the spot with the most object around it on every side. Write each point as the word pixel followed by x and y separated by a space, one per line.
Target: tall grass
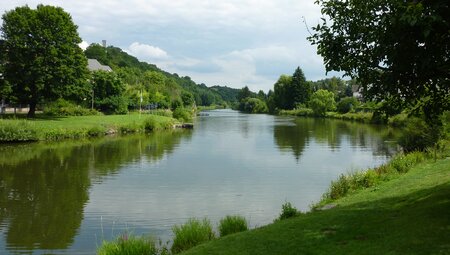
pixel 128 245
pixel 346 184
pixel 17 130
pixel 232 224
pixel 190 234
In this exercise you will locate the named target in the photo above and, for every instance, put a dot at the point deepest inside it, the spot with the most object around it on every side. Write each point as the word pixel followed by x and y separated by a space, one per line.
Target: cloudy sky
pixel 234 42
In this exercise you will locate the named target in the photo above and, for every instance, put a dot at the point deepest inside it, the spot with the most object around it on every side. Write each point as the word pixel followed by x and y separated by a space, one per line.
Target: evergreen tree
pixel 300 89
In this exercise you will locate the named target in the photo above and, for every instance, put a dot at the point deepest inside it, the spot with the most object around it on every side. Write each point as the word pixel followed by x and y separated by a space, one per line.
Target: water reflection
pixel 44 187
pixel 296 134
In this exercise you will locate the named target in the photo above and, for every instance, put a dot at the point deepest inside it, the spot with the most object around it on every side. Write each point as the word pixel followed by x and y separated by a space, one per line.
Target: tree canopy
pixel 42 59
pixel 395 49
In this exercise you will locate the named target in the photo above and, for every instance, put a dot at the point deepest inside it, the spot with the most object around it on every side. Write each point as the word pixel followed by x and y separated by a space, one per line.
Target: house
pixel 94 65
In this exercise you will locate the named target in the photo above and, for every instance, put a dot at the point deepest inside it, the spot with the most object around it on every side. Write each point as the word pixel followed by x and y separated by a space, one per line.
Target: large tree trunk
pixel 32 111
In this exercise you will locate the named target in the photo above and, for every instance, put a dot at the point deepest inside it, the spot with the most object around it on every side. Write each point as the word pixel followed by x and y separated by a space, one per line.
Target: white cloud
pixel 83 45
pixel 229 42
pixel 147 52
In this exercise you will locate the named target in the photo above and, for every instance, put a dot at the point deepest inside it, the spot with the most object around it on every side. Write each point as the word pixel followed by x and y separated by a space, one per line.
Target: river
pixel 66 197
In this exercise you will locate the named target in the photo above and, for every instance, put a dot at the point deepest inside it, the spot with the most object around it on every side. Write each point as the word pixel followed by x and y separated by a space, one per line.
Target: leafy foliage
pixel 347 104
pixel 396 49
pixel 253 105
pixel 108 92
pixel 287 211
pixel 42 59
pixel 321 102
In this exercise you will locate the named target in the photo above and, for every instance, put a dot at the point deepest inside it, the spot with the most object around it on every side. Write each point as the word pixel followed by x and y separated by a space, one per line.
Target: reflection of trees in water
pixel 44 187
pixel 333 133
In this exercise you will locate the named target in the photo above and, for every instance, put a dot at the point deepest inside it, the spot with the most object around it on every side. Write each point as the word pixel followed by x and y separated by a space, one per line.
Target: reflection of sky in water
pixel 232 164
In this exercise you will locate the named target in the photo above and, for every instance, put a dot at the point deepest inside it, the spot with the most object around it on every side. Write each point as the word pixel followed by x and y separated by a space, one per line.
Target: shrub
pixel 14 130
pixel 288 211
pixel 347 104
pixel 253 105
pixel 150 124
pixel 297 112
pixel 232 224
pixel 96 131
pixel 402 163
pixel 62 107
pixel 399 120
pixel 418 135
pixel 113 105
pixel 338 188
pixel 190 234
pixel 322 101
pixel 182 114
pixel 129 245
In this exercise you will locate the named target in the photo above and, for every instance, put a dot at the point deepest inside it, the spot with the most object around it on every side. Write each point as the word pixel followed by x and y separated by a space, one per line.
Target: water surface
pixel 64 198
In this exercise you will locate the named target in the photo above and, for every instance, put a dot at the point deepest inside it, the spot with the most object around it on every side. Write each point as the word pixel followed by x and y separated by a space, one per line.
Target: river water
pixel 66 197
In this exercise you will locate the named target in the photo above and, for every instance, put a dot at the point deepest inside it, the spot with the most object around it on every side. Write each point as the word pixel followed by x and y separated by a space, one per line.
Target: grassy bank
pixel 57 128
pixel 403 214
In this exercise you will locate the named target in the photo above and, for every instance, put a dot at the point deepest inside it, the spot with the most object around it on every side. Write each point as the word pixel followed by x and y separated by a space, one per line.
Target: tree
pixel 395 49
pixel 281 92
pixel 109 92
pixel 253 105
pixel 244 93
pixel 322 101
pixel 187 98
pixel 300 90
pixel 42 58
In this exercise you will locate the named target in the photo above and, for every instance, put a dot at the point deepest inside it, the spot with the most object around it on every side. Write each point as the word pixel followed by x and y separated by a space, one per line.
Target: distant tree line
pixel 295 92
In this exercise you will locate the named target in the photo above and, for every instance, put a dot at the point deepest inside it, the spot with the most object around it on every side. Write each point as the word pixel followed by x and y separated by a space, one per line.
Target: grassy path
pixel 407 215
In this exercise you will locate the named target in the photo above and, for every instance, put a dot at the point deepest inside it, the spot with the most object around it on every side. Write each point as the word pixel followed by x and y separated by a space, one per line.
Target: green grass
pixel 408 214
pixel 190 234
pixel 57 128
pixel 128 245
pixel 232 224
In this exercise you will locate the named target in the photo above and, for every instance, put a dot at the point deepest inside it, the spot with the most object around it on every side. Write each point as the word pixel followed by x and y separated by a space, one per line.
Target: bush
pixel 182 114
pixel 418 135
pixel 129 245
pixel 287 211
pixel 253 105
pixel 321 102
pixel 399 120
pixel 297 112
pixel 190 234
pixel 232 224
pixel 113 105
pixel 14 130
pixel 150 124
pixel 347 104
pixel 402 163
pixel 62 107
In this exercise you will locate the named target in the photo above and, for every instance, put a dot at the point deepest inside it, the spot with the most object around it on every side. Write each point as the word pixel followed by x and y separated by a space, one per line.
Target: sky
pixel 228 43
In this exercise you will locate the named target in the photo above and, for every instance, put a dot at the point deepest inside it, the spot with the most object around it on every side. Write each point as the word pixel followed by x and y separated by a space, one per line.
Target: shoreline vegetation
pixel 399 207
pixel 47 128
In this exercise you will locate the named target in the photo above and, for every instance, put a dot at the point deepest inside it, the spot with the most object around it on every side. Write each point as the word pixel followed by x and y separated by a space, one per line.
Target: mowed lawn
pixel 406 215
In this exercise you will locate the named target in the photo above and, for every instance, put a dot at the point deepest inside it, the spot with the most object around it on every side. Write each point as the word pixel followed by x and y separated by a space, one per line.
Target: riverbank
pixel 45 128
pixel 404 214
